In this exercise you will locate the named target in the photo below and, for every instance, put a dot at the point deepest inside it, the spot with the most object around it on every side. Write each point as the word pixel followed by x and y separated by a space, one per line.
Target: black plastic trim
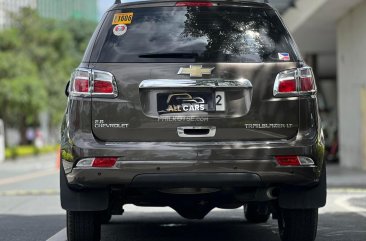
pixel 197 180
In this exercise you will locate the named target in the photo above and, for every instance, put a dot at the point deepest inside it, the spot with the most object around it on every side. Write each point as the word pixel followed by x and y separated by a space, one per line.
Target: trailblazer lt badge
pixel 195 71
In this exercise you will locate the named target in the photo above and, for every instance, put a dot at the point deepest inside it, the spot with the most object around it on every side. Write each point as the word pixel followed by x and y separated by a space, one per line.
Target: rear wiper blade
pixel 170 55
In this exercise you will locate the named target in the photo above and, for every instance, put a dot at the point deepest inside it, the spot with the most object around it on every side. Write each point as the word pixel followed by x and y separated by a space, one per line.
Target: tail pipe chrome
pixel 267 194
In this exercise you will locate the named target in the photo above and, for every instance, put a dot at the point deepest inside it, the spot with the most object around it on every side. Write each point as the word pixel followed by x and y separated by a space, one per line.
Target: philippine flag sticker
pixel 284 56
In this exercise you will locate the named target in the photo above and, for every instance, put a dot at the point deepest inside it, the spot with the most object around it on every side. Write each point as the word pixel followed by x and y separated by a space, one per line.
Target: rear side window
pixel 193 34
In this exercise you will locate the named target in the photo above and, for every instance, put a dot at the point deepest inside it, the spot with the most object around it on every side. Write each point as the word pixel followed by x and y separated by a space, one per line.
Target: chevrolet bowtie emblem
pixel 195 71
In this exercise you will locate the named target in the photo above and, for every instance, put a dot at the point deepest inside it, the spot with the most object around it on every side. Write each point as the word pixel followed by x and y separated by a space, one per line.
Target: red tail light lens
pixel 287 86
pixel 288 160
pixel 81 85
pixel 306 84
pixel 194 4
pixel 104 83
pixel 286 83
pixel 104 162
pixel 80 81
pixel 88 82
pixel 103 87
pixel 294 82
pixel 306 79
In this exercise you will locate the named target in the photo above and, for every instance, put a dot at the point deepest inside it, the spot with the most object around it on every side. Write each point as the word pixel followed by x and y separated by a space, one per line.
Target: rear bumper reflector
pixel 102 162
pixel 294 161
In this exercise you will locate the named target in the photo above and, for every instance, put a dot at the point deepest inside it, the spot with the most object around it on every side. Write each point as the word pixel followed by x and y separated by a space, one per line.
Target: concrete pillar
pixel 351 61
pixel 363 123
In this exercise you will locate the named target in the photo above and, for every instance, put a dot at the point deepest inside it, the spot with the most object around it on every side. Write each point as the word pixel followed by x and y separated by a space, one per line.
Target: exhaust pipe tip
pixel 273 192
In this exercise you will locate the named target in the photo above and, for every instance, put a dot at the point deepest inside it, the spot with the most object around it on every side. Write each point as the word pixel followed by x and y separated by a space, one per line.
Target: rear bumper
pixel 187 164
pixel 197 173
pixel 242 171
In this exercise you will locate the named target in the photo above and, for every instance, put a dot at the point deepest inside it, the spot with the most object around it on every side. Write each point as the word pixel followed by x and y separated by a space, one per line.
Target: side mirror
pixel 67 91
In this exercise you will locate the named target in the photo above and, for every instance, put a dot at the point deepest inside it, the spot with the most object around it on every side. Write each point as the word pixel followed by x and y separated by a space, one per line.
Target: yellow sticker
pixel 122 18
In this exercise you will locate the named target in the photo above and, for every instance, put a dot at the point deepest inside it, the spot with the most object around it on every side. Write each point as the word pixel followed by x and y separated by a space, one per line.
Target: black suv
pixel 195 106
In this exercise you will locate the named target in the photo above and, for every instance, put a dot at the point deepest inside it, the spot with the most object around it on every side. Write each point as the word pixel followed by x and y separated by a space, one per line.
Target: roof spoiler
pixel 119 1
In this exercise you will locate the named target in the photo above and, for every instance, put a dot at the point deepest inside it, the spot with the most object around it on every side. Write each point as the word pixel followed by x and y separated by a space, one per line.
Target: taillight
pixel 306 78
pixel 103 162
pixel 103 87
pixel 287 86
pixel 103 84
pixel 88 82
pixel 81 81
pixel 294 161
pixel 194 4
pixel 295 82
pixel 81 85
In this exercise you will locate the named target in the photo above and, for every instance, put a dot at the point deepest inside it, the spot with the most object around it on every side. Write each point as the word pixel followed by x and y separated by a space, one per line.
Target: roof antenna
pixel 117 2
pixel 266 1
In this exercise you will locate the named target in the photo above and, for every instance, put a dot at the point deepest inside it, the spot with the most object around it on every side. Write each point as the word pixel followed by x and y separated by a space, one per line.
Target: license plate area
pixel 190 102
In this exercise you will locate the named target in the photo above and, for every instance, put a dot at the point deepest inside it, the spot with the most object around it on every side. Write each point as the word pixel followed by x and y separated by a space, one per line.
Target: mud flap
pixel 305 198
pixel 83 200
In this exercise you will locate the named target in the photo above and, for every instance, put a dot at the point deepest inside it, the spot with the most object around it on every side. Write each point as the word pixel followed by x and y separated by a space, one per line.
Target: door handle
pixel 196 131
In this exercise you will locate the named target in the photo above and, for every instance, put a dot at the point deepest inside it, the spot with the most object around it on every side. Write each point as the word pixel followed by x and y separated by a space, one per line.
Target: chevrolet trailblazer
pixel 193 105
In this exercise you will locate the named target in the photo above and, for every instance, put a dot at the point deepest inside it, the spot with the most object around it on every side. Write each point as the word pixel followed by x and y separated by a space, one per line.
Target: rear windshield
pixel 193 34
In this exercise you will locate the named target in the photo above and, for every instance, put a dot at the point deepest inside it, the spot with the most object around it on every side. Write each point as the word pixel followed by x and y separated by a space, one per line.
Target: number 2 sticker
pixel 220 101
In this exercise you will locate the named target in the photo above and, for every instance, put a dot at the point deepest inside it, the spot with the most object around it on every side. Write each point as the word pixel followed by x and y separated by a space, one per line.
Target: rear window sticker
pixel 120 29
pixel 122 18
pixel 284 56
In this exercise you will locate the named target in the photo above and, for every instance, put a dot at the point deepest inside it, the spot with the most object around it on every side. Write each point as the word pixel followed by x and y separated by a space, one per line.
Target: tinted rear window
pixel 195 34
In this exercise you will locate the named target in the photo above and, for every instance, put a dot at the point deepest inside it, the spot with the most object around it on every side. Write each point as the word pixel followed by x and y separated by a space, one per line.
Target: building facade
pixel 57 9
pixel 11 6
pixel 68 9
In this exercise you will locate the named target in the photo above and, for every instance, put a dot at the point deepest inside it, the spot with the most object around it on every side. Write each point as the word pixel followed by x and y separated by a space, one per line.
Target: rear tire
pixel 257 212
pixel 83 226
pixel 298 224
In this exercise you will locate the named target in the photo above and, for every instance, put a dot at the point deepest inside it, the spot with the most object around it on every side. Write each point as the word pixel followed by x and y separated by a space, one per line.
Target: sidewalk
pixel 341 177
pixel 29 176
pixel 27 165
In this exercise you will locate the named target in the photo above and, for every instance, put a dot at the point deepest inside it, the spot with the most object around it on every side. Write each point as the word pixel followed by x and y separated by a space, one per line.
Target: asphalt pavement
pixel 30 210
